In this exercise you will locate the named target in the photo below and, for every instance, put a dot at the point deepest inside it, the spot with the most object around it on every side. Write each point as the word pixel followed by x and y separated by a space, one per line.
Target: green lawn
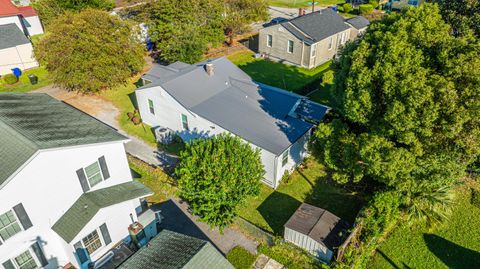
pixel 241 258
pixel 302 3
pixel 276 74
pixel 456 244
pixel 23 85
pixel 272 209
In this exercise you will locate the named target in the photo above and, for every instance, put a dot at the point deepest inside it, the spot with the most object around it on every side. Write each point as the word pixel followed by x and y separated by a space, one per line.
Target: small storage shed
pixel 316 230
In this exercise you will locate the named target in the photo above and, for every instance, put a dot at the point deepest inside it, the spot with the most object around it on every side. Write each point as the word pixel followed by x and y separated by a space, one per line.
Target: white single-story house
pixel 25 17
pixel 67 197
pixel 15 49
pixel 216 96
pixel 316 230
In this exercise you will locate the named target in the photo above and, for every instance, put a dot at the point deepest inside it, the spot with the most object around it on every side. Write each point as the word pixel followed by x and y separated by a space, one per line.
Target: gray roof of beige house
pixel 358 22
pixel 316 26
pixel 89 203
pixel 30 122
pixel 268 117
pixel 11 36
pixel 319 224
pixel 170 250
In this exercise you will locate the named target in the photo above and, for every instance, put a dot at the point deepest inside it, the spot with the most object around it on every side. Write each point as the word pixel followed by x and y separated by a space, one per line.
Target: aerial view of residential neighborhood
pixel 239 134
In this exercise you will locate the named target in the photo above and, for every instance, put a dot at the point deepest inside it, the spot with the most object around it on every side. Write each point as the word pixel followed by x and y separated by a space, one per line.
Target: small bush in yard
pixel 365 9
pixel 241 258
pixel 10 79
pixel 327 77
pixel 347 8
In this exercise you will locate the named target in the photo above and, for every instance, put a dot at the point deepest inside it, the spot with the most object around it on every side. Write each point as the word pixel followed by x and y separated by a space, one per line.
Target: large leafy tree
pixel 49 10
pixel 408 103
pixel 90 51
pixel 240 13
pixel 463 15
pixel 216 175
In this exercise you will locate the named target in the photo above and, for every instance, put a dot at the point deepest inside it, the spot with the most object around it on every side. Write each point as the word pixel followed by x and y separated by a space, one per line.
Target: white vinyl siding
pixel 94 174
pixel 290 46
pixel 9 225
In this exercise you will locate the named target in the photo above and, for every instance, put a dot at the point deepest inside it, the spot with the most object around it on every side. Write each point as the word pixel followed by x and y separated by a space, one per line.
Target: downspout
pixel 303 52
pixel 275 172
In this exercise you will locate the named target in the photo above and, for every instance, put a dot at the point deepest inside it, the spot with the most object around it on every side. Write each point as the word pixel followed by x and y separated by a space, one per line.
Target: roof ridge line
pixel 316 222
pixel 305 34
pixel 16 132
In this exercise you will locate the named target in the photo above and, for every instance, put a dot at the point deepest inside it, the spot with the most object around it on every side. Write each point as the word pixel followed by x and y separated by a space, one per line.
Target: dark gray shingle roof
pixel 11 36
pixel 30 122
pixel 170 250
pixel 89 203
pixel 316 26
pixel 359 22
pixel 319 224
pixel 256 112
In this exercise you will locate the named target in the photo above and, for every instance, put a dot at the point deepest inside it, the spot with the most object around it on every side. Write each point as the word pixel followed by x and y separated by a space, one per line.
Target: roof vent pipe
pixel 209 68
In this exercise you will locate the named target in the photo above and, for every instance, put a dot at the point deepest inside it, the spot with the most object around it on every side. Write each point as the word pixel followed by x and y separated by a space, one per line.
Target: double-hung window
pixel 150 107
pixel 330 43
pixel 185 122
pixel 290 46
pixel 92 242
pixel 314 50
pixel 9 225
pixel 26 261
pixel 94 174
pixel 269 41
pixel 285 158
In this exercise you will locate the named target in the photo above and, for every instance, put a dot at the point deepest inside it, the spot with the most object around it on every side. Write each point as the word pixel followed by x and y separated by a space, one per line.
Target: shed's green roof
pixel 34 121
pixel 85 208
pixel 170 250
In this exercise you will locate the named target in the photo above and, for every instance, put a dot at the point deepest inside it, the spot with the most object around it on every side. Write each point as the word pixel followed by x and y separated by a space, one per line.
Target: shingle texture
pixel 170 250
pixel 359 22
pixel 319 224
pixel 258 113
pixel 316 26
pixel 85 208
pixel 31 122
pixel 11 36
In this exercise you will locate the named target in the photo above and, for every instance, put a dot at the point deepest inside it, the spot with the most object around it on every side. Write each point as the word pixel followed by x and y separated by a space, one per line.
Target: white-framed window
pixel 290 46
pixel 343 38
pixel 26 261
pixel 9 225
pixel 150 107
pixel 92 242
pixel 285 158
pixel 269 41
pixel 314 50
pixel 93 174
pixel 185 122
pixel 330 43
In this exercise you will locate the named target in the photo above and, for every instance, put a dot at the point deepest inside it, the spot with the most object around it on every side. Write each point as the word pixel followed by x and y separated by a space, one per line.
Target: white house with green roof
pixel 66 191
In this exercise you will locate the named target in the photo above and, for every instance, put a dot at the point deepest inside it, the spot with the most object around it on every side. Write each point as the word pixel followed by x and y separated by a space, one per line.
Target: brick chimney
pixel 209 68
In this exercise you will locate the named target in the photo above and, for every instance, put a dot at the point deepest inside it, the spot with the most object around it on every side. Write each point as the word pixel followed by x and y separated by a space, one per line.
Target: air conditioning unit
pixel 163 135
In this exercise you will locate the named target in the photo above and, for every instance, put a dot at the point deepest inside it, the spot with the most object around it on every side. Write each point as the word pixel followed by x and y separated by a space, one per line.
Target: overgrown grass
pixel 303 3
pixel 241 258
pixel 123 97
pixel 455 244
pixel 272 209
pixel 24 85
pixel 290 256
pixel 154 178
pixel 287 77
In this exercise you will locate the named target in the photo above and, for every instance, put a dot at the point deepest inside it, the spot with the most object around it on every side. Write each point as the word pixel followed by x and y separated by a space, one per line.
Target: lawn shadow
pixel 133 99
pixel 277 209
pixel 451 254
pixel 135 174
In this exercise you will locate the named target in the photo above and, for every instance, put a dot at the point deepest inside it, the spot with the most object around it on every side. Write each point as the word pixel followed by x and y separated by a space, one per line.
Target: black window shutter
pixel 103 166
pixel 22 216
pixel 8 265
pixel 105 234
pixel 81 252
pixel 39 253
pixel 83 180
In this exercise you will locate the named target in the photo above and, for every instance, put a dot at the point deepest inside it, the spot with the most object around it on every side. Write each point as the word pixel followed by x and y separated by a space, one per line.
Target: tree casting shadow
pixel 451 254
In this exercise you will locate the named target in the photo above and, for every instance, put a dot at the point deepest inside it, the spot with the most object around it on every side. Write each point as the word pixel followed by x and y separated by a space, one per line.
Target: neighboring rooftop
pixel 7 8
pixel 11 36
pixel 170 250
pixel 316 26
pixel 89 203
pixel 258 113
pixel 358 22
pixel 319 224
pixel 33 121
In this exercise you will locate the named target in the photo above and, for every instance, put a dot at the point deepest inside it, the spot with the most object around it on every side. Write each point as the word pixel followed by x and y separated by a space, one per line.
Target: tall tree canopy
pixel 90 51
pixel 216 175
pixel 240 13
pixel 463 15
pixel 408 103
pixel 51 9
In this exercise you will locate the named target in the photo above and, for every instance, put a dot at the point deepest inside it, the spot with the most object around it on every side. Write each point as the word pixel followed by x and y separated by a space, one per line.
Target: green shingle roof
pixel 170 250
pixel 30 122
pixel 85 208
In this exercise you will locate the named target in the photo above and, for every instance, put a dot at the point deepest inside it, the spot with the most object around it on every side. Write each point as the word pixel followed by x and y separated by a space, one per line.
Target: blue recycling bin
pixel 17 72
pixel 334 8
